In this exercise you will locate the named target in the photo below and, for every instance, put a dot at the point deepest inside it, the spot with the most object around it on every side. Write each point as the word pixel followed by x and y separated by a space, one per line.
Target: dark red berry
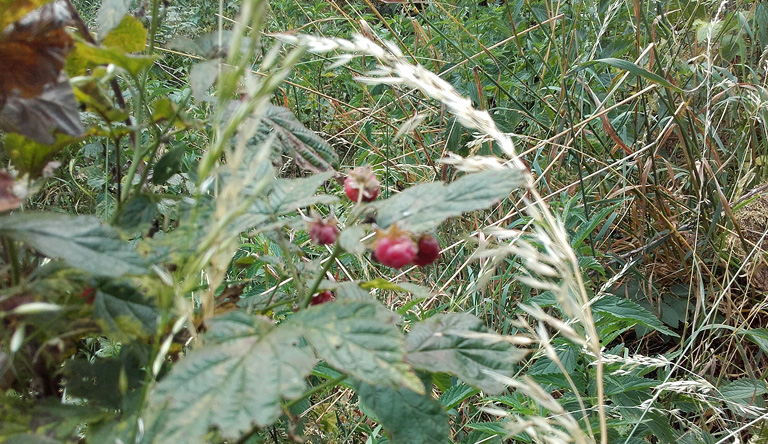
pixel 428 250
pixel 395 252
pixel 361 179
pixel 323 232
pixel 321 298
pixel 89 294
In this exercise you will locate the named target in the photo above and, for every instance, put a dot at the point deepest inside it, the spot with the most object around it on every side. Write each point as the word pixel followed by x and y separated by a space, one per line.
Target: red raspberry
pixel 89 294
pixel 361 179
pixel 429 250
pixel 323 232
pixel 321 298
pixel 395 252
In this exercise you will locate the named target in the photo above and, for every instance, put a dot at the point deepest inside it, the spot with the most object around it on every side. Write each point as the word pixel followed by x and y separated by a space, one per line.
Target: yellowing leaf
pixel 130 36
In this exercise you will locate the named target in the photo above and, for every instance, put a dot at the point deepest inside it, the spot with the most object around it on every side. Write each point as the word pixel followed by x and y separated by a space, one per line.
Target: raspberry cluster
pixel 396 248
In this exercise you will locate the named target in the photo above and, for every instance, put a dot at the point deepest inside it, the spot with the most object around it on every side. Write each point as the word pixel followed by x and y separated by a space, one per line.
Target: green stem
pixel 316 389
pixel 326 266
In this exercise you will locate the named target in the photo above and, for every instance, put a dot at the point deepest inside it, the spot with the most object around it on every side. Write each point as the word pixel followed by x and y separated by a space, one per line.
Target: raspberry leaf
pixel 405 415
pixel 460 344
pixel 214 385
pixel 359 338
pixel 124 311
pixel 424 207
pixel 82 241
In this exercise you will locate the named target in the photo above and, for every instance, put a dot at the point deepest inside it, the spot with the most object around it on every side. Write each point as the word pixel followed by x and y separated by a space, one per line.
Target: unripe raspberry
pixel 321 298
pixel 428 250
pixel 395 252
pixel 323 232
pixel 361 179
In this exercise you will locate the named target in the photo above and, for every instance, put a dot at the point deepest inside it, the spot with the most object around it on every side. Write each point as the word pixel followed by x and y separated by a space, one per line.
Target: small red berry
pixel 88 294
pixel 361 179
pixel 321 298
pixel 395 252
pixel 429 250
pixel 323 232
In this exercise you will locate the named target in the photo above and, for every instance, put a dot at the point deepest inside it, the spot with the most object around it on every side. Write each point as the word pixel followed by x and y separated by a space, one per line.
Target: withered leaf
pixel 33 51
pixel 39 118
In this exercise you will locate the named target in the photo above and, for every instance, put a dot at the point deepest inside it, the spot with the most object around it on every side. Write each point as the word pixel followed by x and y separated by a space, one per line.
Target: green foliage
pixel 84 242
pixel 164 293
pixel 246 352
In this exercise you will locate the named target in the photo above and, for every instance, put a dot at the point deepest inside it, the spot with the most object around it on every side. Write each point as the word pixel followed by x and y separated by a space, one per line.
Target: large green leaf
pixel 83 241
pixel 424 207
pixel 123 310
pixel 309 150
pixel 617 308
pixel 460 344
pixel 407 417
pixel 360 338
pixel 233 382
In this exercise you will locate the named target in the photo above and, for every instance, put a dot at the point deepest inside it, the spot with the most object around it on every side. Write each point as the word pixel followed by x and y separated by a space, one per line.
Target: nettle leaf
pixel 310 151
pixel 82 241
pixel 407 417
pixel 236 381
pixel 424 207
pixel 360 338
pixel 460 344
pixel 620 309
pixel 123 310
pixel 744 391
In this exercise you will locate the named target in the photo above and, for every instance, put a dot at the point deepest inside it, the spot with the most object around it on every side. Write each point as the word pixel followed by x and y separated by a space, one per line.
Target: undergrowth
pixel 620 289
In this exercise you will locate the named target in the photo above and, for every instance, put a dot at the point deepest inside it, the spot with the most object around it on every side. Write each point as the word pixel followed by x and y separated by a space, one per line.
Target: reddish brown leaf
pixel 39 118
pixel 33 51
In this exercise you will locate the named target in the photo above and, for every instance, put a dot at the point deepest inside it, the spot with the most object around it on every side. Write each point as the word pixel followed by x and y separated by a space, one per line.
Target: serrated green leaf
pixel 407 417
pixel 236 381
pixel 359 338
pixel 168 165
pixel 98 380
pixel 287 195
pixel 136 212
pixel 460 344
pixel 423 207
pixel 82 241
pixel 309 150
pixel 122 310
pixel 621 309
pixel 743 391
pixel 457 394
